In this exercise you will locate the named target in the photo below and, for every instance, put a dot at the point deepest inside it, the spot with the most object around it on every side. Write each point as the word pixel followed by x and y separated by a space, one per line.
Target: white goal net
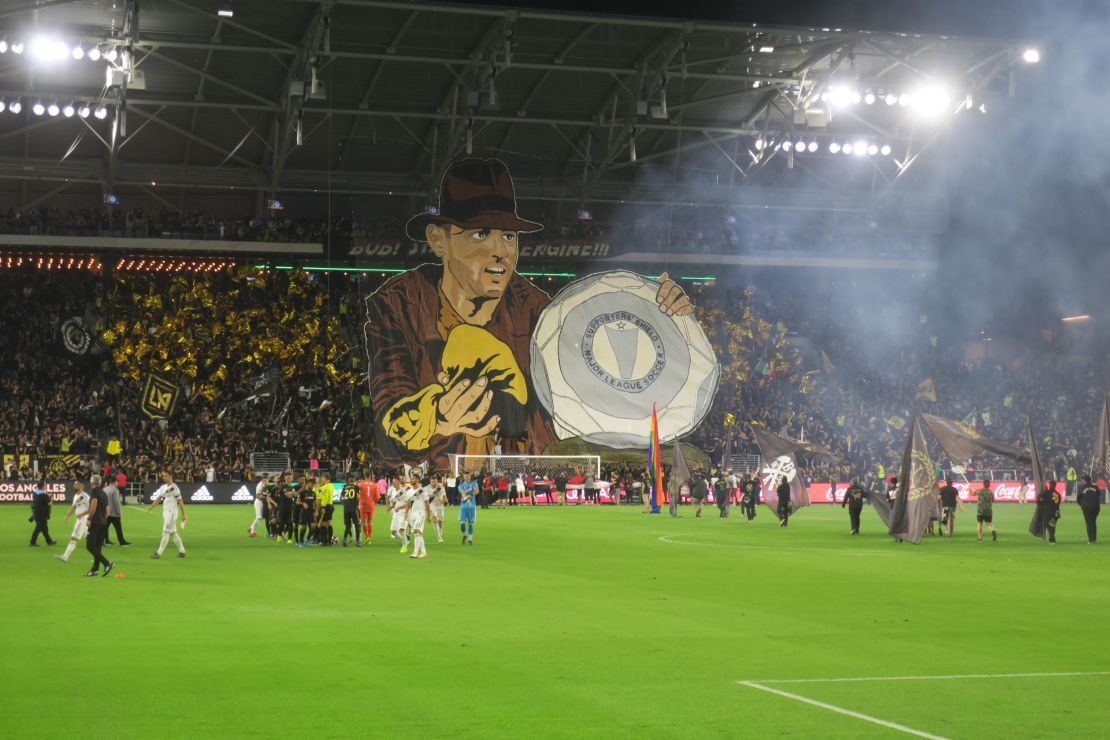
pixel 538 465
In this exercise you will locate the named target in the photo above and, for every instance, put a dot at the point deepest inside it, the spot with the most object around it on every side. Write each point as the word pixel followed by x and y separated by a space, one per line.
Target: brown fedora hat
pixel 475 194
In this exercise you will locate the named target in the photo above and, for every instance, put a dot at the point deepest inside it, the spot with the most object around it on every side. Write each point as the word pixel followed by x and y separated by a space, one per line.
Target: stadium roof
pixel 583 107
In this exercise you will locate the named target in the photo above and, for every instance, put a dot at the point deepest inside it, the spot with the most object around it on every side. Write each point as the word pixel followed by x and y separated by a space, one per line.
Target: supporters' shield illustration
pixel 602 353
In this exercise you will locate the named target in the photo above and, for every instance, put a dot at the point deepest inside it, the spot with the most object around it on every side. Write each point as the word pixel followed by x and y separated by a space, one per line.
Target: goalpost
pixel 537 465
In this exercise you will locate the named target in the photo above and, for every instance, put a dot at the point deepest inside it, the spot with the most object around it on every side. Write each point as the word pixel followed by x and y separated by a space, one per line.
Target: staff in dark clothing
pixel 41 504
pixel 949 500
pixel 98 530
pixel 749 493
pixel 783 491
pixel 1089 500
pixel 1048 509
pixel 853 499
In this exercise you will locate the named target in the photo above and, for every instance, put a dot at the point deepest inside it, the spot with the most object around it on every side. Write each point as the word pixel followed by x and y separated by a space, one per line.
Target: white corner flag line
pixel 841 710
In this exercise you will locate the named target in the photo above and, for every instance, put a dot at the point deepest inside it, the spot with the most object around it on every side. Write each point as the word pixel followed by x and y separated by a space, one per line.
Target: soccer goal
pixel 545 465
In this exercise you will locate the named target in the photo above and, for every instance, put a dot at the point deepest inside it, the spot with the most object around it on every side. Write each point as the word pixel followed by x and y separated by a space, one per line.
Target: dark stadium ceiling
pixel 583 107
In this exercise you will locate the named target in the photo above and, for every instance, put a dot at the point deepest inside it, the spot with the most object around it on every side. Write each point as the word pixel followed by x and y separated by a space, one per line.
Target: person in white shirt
pixel 418 512
pixel 436 506
pixel 172 504
pixel 80 508
pixel 210 474
pixel 401 512
pixel 260 497
pixel 397 521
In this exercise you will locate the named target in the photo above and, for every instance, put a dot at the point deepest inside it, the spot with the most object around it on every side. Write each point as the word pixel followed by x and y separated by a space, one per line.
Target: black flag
pixel 1101 460
pixel 780 460
pixel 961 443
pixel 680 473
pixel 1036 526
pixel 915 500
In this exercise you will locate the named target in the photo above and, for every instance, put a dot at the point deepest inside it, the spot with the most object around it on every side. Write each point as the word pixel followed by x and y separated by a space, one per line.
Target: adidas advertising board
pixel 243 494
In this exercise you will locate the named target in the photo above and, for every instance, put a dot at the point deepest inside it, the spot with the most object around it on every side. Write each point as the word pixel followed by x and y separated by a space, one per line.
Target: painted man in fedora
pixel 448 343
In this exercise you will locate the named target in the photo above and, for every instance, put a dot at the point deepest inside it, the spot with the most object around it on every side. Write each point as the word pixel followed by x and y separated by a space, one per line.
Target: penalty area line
pixel 841 710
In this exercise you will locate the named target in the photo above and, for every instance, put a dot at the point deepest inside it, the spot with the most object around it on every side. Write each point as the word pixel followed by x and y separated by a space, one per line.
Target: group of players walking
pixel 300 511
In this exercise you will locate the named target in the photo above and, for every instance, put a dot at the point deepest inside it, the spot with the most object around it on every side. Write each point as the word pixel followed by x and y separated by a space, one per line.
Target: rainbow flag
pixel 655 465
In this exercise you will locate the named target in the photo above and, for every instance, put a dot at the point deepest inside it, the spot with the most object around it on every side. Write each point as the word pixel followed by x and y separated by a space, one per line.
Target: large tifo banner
pixel 465 354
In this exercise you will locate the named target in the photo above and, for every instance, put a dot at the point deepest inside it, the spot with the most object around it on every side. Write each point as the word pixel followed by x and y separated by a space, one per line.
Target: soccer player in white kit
pixel 396 521
pixel 80 507
pixel 401 512
pixel 172 504
pixel 436 503
pixel 418 511
pixel 260 495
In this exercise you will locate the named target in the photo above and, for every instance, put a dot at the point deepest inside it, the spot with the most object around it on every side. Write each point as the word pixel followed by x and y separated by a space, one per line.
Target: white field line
pixel 842 710
pixel 669 539
pixel 852 679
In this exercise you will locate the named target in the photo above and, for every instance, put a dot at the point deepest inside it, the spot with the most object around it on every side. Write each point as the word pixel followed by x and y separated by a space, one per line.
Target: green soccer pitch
pixel 562 622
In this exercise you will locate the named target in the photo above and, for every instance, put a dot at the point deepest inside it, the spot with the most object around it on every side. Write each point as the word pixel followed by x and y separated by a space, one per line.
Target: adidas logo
pixel 201 494
pixel 243 494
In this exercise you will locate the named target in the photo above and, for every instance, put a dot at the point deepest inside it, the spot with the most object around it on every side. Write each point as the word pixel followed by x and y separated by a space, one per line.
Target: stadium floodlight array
pixel 70 108
pixel 45 48
pixel 172 264
pixel 859 147
pixel 927 100
pixel 50 261
pixel 537 465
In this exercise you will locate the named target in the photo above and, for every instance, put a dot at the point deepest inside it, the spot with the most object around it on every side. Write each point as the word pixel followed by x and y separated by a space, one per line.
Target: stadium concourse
pixel 454 347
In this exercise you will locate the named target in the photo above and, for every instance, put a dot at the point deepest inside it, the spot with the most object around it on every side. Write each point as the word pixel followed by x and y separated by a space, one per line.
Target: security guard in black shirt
pixel 783 491
pixel 1089 501
pixel 853 499
pixel 749 492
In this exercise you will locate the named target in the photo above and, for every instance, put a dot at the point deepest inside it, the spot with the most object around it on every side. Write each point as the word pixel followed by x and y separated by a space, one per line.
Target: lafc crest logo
pixel 781 467
pixel 921 476
pixel 159 397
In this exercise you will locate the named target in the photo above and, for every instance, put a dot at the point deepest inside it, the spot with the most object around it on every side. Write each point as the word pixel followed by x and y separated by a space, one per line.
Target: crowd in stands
pixel 55 404
pixel 708 233
pixel 165 224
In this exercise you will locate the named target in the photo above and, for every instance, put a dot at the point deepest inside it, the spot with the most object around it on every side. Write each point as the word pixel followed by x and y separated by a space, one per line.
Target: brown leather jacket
pixel 405 339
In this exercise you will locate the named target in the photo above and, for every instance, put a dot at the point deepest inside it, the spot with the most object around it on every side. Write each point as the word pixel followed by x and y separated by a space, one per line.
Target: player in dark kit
pixel 306 508
pixel 349 497
pixel 282 507
pixel 853 499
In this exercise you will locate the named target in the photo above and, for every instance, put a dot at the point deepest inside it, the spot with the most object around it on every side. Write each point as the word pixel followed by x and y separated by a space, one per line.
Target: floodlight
pixel 812 147
pixel 3 46
pixel 759 144
pixel 873 149
pixel 68 110
pixel 847 149
pixel 79 52
pixel 38 108
pixel 890 99
pixel 859 148
pixel 225 11
pixel 854 97
pixel 1031 56
pixel 17 47
pixel 885 150
pixel 766 49
pixel 83 110
pixel 15 107
pixel 840 96
pixel 101 112
pixel 48 49
pixel 834 148
pixel 931 100
pixel 94 54
pixel 869 98
pixel 111 55
pixel 787 145
pixel 2 106
pixel 53 109
pixel 904 100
